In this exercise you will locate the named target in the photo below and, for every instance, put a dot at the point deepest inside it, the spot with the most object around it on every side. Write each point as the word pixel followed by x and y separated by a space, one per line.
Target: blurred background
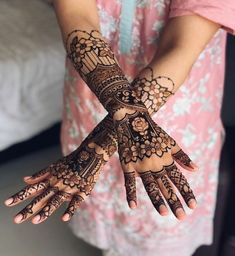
pixel 31 98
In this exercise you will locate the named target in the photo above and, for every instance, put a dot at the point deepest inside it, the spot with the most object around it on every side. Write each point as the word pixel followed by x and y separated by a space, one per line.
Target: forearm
pixel 180 44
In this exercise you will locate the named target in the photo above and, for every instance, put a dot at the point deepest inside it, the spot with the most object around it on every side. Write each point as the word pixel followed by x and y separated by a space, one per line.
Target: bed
pixel 31 70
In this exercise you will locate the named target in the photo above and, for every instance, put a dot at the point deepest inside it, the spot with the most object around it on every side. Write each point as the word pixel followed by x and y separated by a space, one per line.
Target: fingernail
pixel 194 166
pixel 180 213
pixel 163 210
pixel 18 218
pixel 133 204
pixel 9 201
pixel 36 219
pixel 192 203
pixel 65 217
pixel 27 177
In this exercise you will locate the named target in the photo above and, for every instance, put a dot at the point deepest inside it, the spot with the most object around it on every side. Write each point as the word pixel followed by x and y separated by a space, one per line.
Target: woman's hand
pixel 73 177
pixel 146 149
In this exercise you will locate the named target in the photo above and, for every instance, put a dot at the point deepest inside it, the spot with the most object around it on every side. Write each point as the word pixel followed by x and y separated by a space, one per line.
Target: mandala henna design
pixel 172 198
pixel 28 210
pixel 152 189
pixel 139 137
pixel 153 91
pixel 54 203
pixel 94 60
pixel 180 182
pixel 29 190
pixel 183 158
pixel 130 185
pixel 74 205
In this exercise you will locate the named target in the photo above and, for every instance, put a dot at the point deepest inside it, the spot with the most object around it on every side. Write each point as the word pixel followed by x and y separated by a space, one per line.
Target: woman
pixel 159 60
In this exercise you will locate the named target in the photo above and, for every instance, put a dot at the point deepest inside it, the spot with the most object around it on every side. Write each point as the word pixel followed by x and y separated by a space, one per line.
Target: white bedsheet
pixel 31 70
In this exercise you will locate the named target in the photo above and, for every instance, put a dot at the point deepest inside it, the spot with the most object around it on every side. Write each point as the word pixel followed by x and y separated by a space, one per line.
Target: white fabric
pixel 31 70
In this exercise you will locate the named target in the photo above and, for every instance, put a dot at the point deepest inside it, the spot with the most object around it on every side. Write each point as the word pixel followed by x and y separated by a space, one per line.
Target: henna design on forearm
pixel 152 189
pixel 74 205
pixel 183 158
pixel 130 185
pixel 94 60
pixel 29 191
pixel 180 182
pixel 153 91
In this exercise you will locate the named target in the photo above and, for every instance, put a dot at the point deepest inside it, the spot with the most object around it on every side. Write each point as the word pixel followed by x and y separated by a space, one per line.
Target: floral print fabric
pixel 191 116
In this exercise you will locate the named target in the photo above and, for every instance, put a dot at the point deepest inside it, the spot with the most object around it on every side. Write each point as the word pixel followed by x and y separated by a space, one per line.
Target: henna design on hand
pixel 74 205
pixel 54 203
pixel 180 182
pixel 172 199
pixel 183 158
pixel 29 191
pixel 152 189
pixel 139 137
pixel 30 208
pixel 130 185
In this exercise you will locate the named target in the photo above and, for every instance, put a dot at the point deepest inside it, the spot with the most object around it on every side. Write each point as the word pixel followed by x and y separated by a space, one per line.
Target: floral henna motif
pixel 73 205
pixel 130 186
pixel 153 91
pixel 183 158
pixel 94 60
pixel 139 137
pixel 152 189
pixel 180 182
pixel 28 191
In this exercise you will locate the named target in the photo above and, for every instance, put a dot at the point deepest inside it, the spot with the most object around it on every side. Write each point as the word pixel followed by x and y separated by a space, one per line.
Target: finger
pixel 130 185
pixel 73 206
pixel 54 203
pixel 182 185
pixel 27 192
pixel 35 205
pixel 38 176
pixel 183 159
pixel 171 197
pixel 154 192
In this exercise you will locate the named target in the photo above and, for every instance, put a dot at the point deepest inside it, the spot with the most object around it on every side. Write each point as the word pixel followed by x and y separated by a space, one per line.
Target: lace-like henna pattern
pixel 183 158
pixel 74 205
pixel 29 190
pixel 54 203
pixel 139 137
pixel 180 182
pixel 94 60
pixel 130 186
pixel 153 91
pixel 28 210
pixel 172 198
pixel 152 189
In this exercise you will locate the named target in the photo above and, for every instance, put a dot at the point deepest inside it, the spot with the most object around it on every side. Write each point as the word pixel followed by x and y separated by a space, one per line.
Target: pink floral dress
pixel 192 117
